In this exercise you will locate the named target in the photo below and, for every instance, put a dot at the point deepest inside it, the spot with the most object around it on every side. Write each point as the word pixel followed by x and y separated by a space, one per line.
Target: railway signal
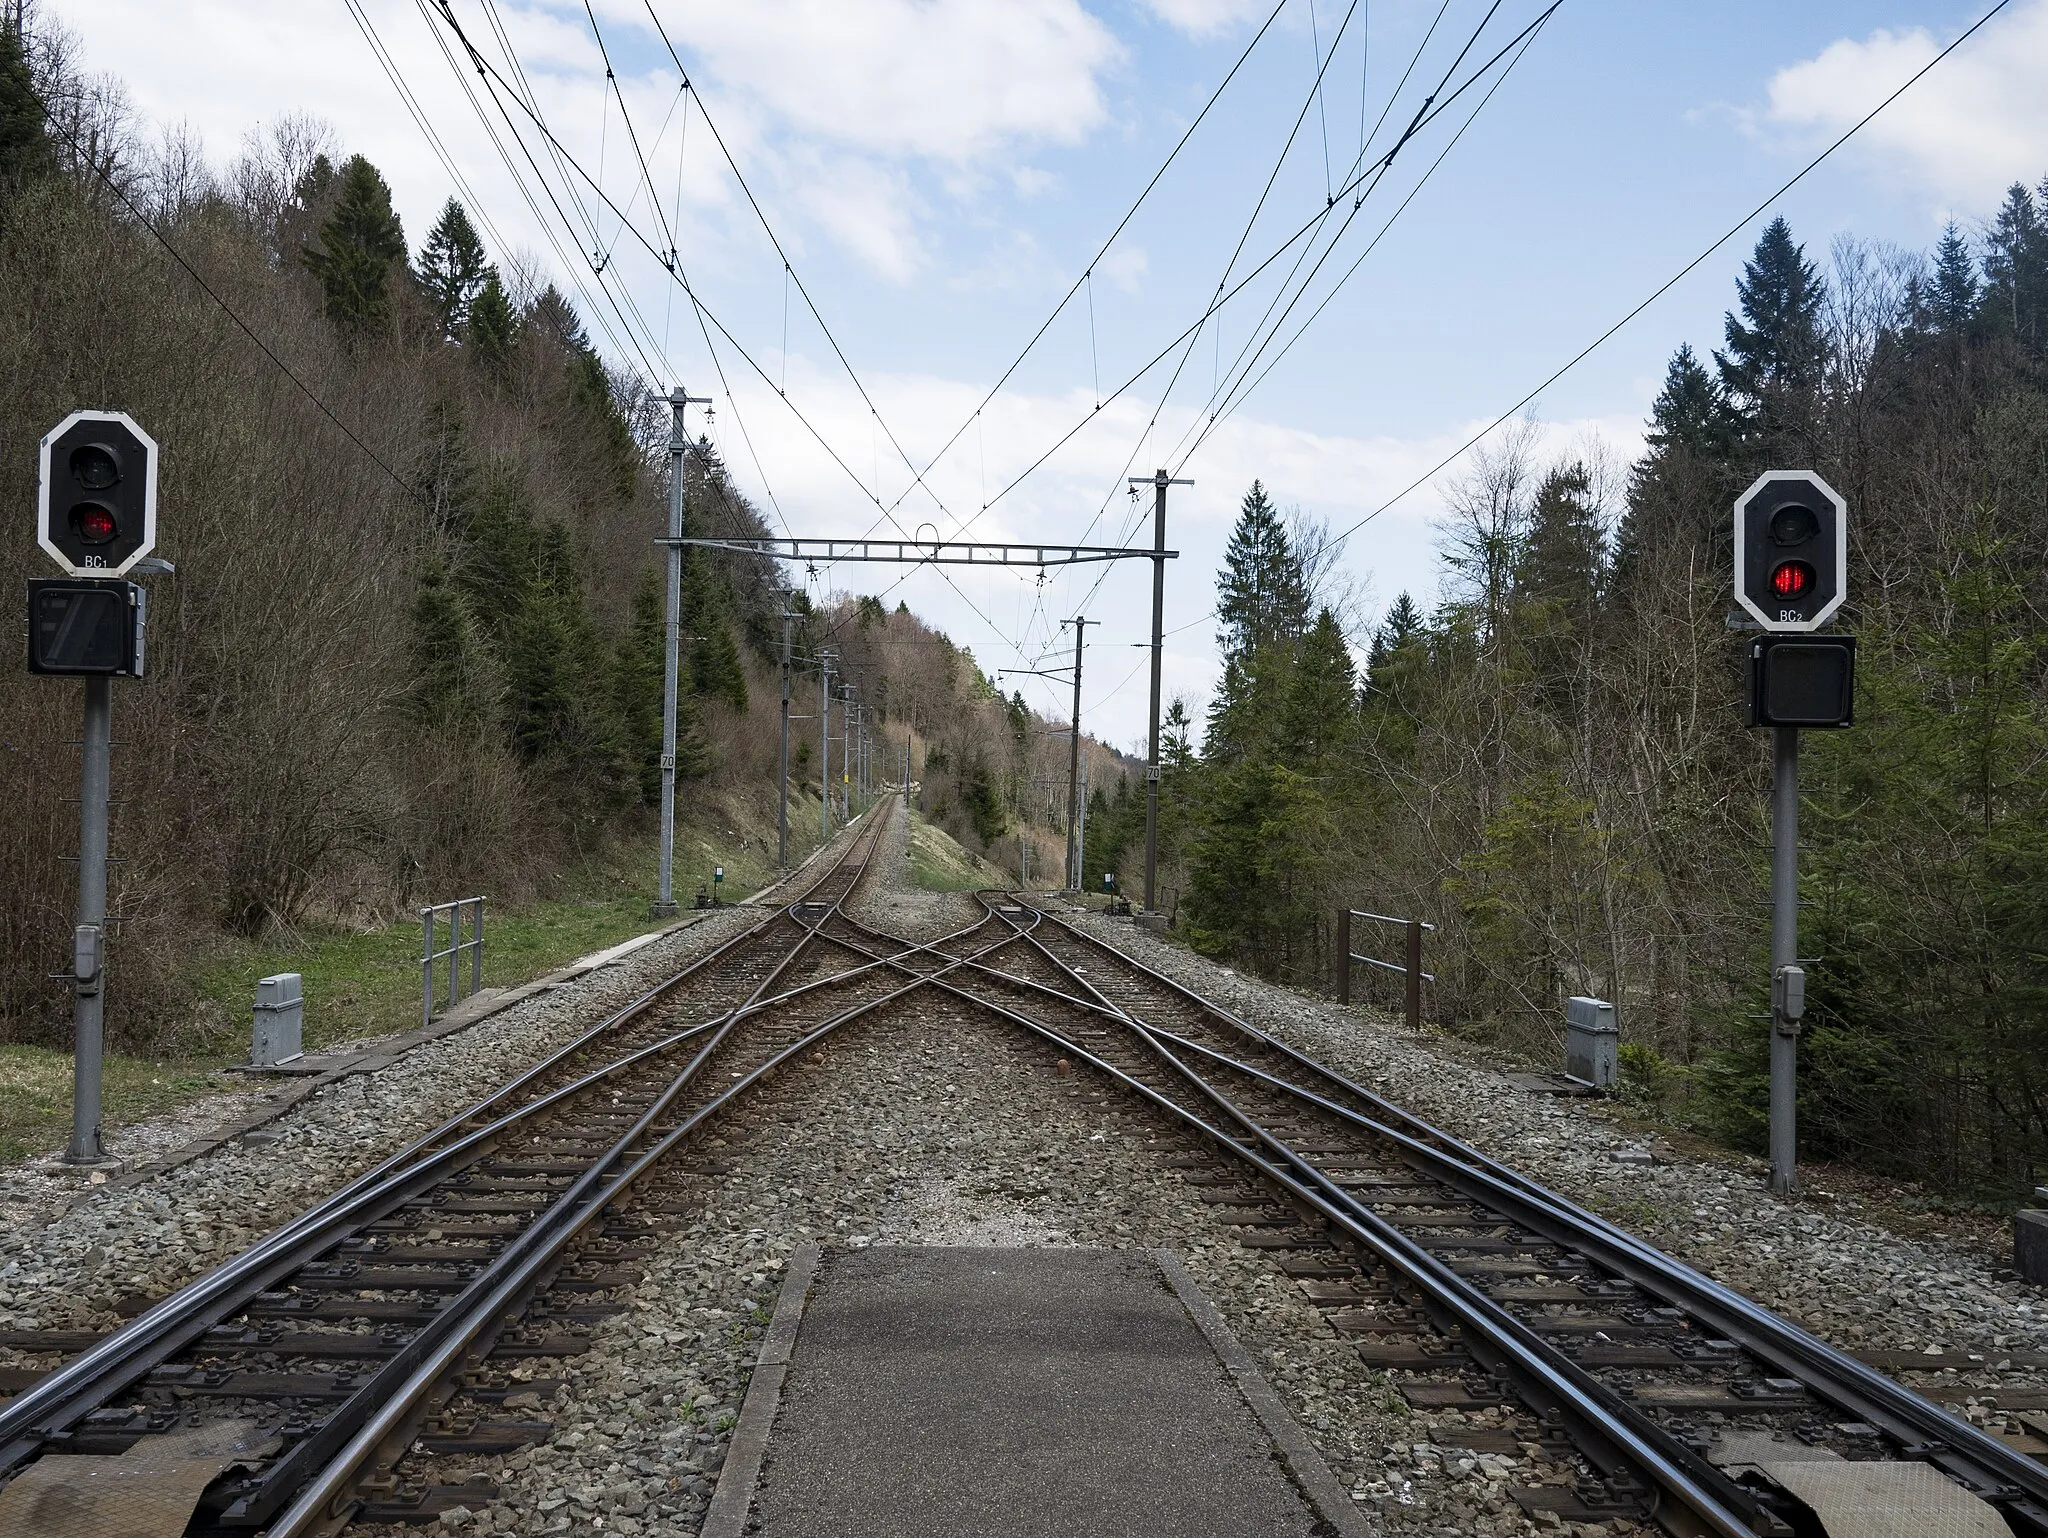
pixel 96 518
pixel 1791 559
pixel 96 494
pixel 1791 545
pixel 86 626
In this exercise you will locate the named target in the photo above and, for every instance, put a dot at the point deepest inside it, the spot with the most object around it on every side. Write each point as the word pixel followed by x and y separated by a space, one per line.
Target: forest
pixel 412 647
pixel 413 644
pixel 1549 761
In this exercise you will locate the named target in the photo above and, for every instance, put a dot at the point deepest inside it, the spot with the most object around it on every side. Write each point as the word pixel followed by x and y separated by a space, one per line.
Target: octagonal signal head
pixel 1791 550
pixel 96 494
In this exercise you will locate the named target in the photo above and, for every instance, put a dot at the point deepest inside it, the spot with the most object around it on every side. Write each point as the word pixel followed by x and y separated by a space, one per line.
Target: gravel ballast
pixel 68 1257
pixel 941 1125
pixel 1845 1277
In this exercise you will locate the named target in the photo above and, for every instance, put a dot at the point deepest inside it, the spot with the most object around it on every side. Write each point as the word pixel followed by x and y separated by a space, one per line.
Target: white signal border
pixel 43 515
pixel 1783 626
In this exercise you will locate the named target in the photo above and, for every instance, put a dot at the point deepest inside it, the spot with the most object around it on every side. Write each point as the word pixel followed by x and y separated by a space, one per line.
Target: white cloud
pixel 945 80
pixel 1202 18
pixel 1125 267
pixel 1974 125
pixel 1331 475
pixel 832 107
pixel 871 210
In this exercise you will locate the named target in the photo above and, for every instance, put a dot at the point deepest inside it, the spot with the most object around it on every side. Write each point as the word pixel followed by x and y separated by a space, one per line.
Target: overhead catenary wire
pixel 493 79
pixel 1122 223
pixel 1675 279
pixel 569 267
pixel 1365 141
pixel 1242 389
pixel 410 99
pixel 1437 109
pixel 675 273
pixel 284 368
pixel 1355 177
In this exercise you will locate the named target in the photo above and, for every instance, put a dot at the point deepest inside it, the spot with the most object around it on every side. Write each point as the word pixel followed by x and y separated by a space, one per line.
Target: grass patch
pixel 938 864
pixel 362 983
pixel 35 1094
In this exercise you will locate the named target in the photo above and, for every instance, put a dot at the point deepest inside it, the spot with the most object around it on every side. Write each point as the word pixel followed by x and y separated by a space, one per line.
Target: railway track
pixel 278 1393
pixel 1692 1405
pixel 275 1393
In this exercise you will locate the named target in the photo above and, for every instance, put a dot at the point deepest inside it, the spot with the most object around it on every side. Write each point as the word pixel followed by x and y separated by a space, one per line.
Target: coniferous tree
pixel 1261 593
pixel 493 328
pixel 452 268
pixel 715 669
pixel 359 245
pixel 448 687
pixel 1951 295
pixel 1690 411
pixel 1771 370
pixel 636 692
pixel 24 146
pixel 1319 715
pixel 2016 270
pixel 1561 562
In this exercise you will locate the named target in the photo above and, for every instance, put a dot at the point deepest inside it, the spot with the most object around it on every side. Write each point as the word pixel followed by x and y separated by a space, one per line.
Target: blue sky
pixel 940 172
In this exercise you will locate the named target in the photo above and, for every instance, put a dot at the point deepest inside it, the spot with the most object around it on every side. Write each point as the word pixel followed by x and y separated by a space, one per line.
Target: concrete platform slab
pixel 940 1393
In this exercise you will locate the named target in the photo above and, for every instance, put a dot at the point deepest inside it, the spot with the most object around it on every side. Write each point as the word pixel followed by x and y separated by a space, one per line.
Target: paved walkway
pixel 942 1393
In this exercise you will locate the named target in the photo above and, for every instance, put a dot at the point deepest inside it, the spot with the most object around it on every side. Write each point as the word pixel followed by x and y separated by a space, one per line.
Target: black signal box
pixel 85 626
pixel 1802 680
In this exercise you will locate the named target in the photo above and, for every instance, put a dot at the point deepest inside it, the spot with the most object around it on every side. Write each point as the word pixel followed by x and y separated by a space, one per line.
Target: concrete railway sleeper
pixel 359 1315
pixel 1442 1219
pixel 384 1317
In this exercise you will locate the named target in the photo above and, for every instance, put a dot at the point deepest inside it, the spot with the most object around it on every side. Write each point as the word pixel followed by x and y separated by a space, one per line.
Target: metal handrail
pixel 456 946
pixel 1410 966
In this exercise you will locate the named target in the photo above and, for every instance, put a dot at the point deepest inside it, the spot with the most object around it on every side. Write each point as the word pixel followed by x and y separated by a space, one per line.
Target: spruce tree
pixel 492 330
pixel 1561 563
pixel 452 268
pixel 1261 593
pixel 1690 412
pixel 715 670
pixel 360 243
pixel 1771 370
pixel 446 688
pixel 1950 298
pixel 636 694
pixel 2016 269
pixel 1319 715
pixel 24 146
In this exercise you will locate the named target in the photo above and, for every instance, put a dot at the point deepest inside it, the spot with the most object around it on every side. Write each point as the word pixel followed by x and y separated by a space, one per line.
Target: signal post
pixel 1791 558
pixel 96 518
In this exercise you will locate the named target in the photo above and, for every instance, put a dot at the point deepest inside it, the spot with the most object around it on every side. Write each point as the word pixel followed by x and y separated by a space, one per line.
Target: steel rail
pixel 57 1402
pixel 536 1245
pixel 2001 1475
pixel 1611 1433
pixel 320 1499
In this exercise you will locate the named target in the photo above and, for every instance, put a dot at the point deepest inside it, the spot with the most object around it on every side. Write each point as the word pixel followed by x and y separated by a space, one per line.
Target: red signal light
pixel 1791 579
pixel 95 523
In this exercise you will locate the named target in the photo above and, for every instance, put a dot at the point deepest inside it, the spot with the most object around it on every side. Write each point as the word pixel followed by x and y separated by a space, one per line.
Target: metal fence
pixel 474 945
pixel 1409 967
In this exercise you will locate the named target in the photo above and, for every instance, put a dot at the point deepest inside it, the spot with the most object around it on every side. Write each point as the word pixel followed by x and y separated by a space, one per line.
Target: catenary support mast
pixel 1074 770
pixel 671 650
pixel 1158 481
